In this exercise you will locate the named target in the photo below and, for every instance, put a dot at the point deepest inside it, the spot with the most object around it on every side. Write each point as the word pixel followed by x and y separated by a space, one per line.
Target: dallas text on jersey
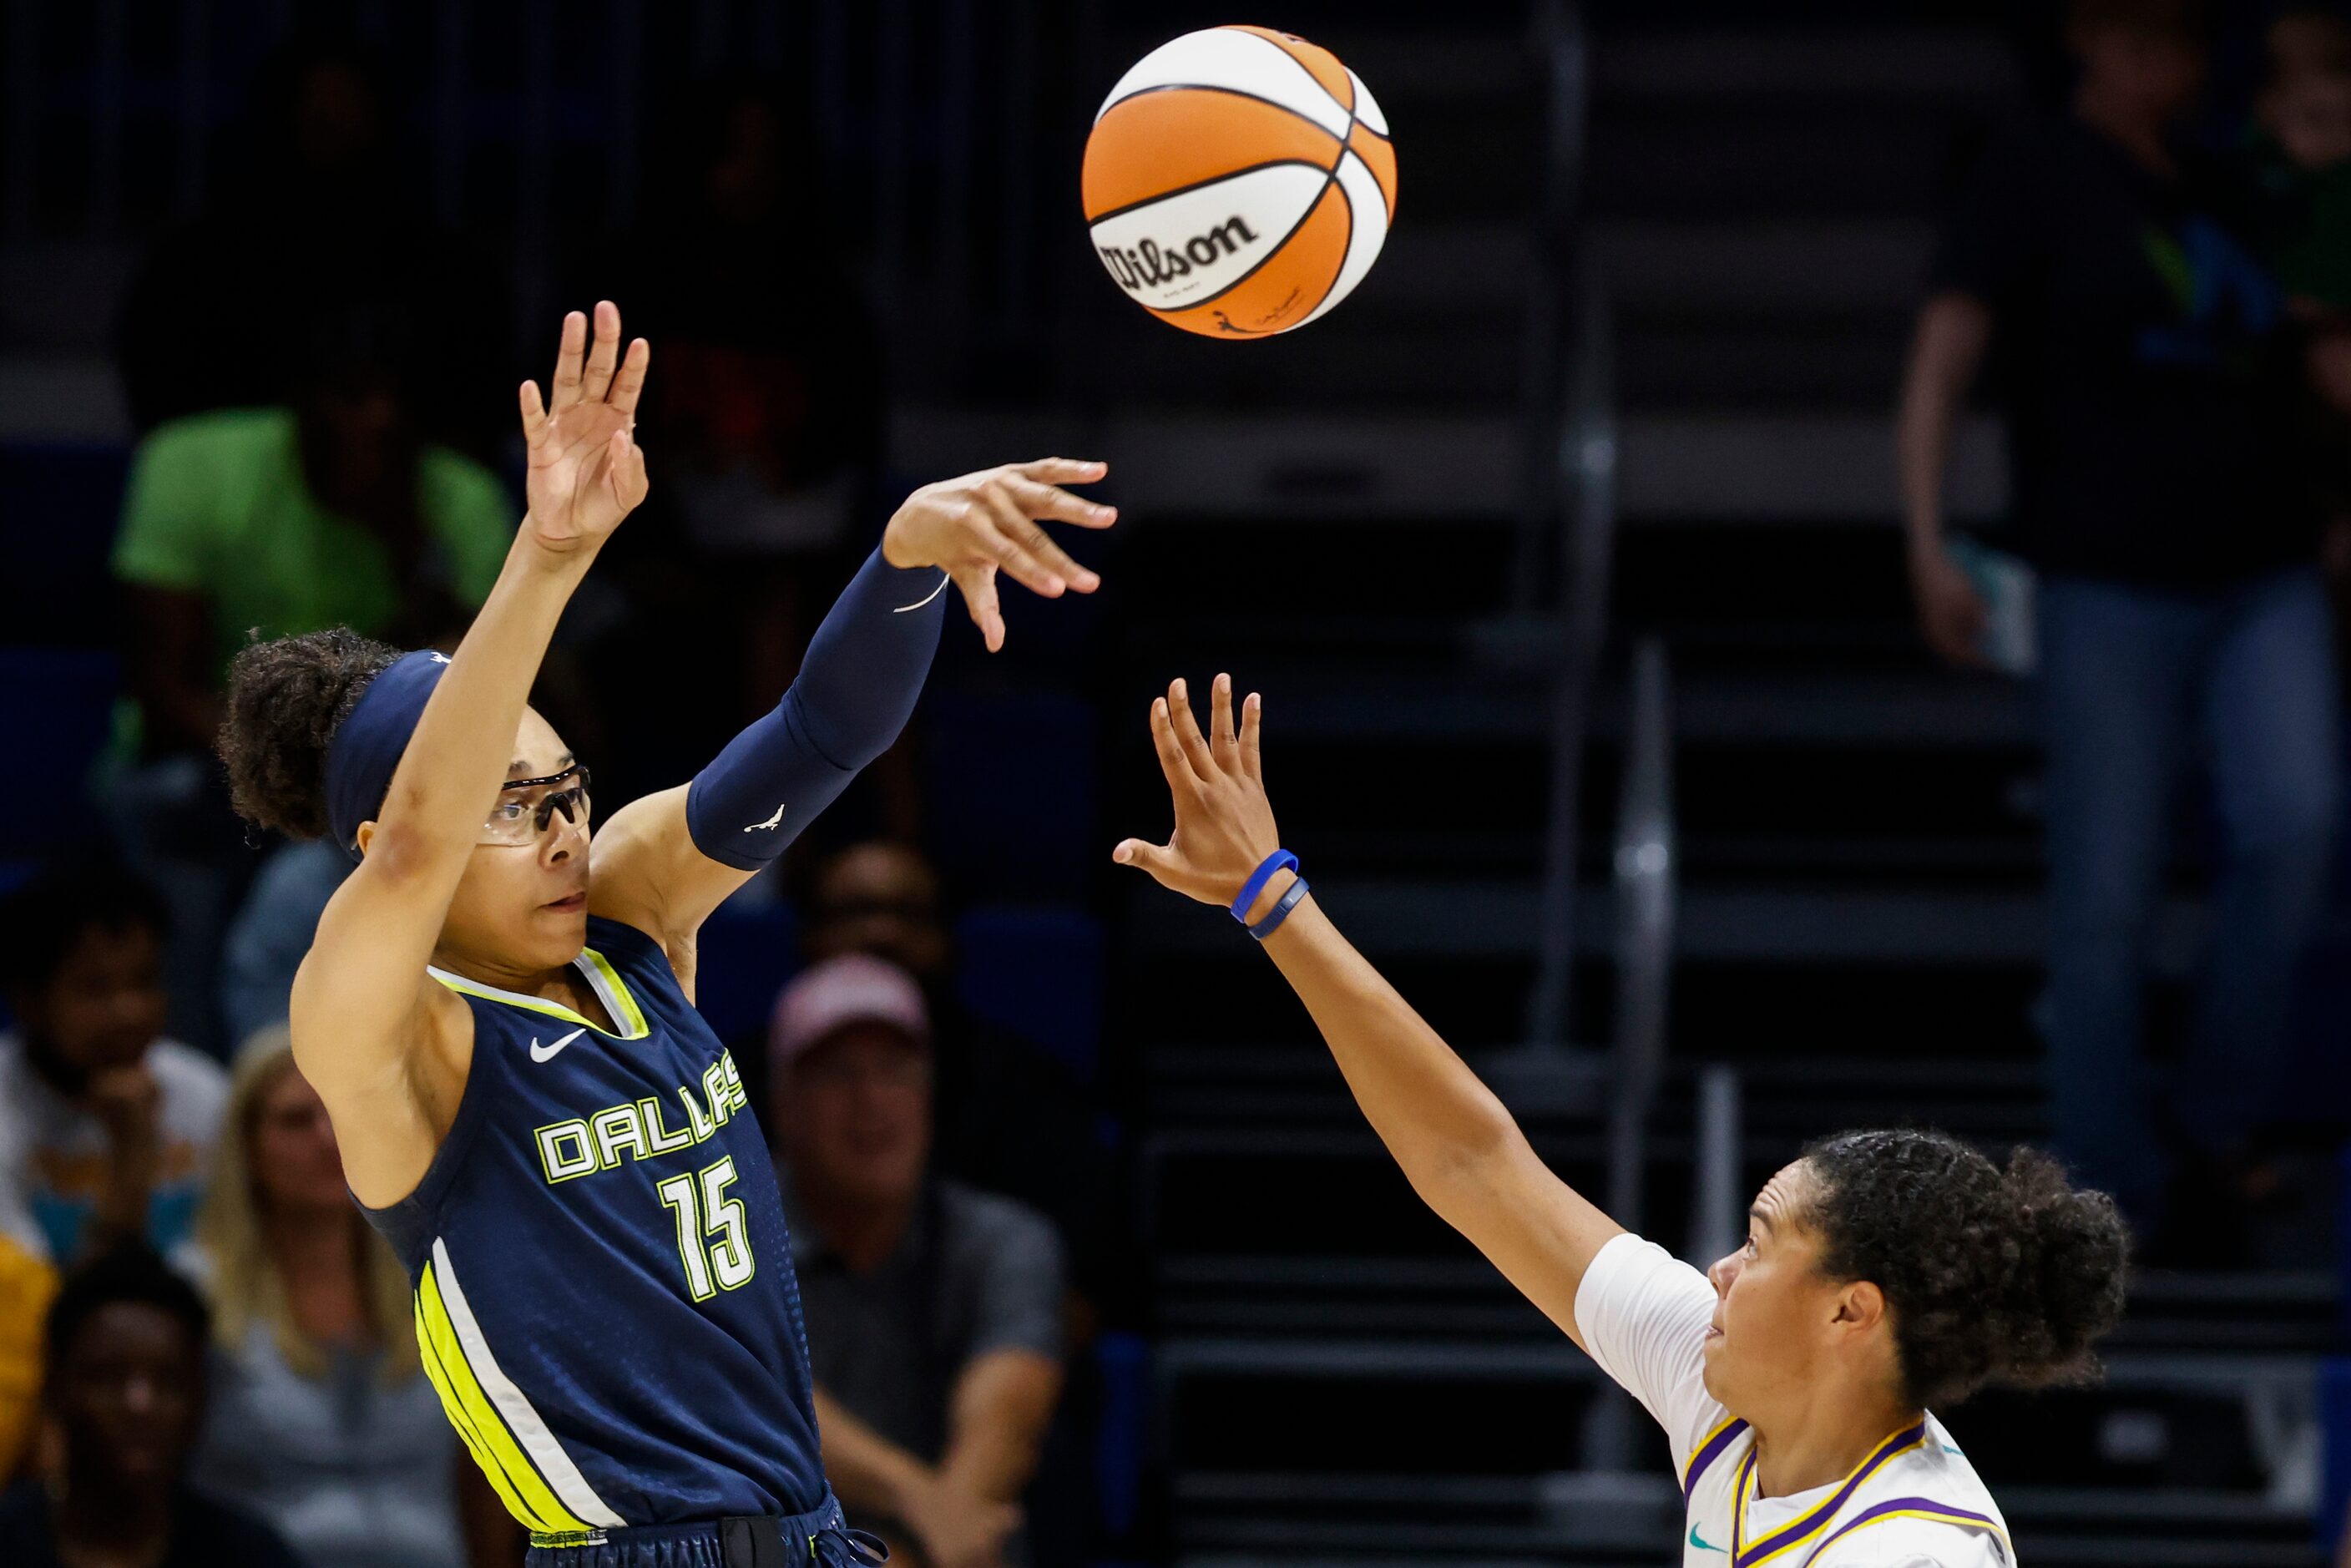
pixel 639 1129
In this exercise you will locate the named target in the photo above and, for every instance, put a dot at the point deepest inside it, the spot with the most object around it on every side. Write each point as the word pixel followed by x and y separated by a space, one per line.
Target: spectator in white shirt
pixel 105 1124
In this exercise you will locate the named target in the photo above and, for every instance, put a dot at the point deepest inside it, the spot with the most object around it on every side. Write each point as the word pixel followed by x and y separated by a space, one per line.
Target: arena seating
pixel 54 532
pixel 1011 793
pixel 60 702
pixel 1037 972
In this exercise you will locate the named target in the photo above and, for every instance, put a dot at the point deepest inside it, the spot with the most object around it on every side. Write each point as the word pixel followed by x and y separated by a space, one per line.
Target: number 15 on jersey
pixel 699 1202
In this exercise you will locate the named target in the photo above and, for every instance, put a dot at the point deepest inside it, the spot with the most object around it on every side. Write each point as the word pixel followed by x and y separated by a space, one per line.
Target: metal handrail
pixel 1558 40
pixel 1570 491
pixel 1571 502
pixel 1647 851
pixel 1566 524
pixel 1571 507
pixel 1718 1198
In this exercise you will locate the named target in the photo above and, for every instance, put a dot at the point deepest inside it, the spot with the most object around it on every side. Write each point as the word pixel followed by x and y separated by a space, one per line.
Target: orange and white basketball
pixel 1240 182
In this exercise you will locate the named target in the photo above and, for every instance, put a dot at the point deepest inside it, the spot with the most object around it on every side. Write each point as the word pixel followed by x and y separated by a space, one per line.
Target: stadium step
pixel 59 297
pixel 1720 315
pixel 1648 54
pixel 1360 696
pixel 1718 468
pixel 1395 1370
pixel 1496 918
pixel 1453 1447
pixel 1785 124
pixel 1832 270
pixel 1292 1082
pixel 1253 1519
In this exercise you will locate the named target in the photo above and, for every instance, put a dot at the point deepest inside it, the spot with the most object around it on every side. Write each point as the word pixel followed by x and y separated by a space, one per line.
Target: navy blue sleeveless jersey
pixel 604 1288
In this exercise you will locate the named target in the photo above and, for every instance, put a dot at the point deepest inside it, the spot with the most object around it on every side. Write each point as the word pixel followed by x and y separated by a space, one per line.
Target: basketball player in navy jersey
pixel 527 1104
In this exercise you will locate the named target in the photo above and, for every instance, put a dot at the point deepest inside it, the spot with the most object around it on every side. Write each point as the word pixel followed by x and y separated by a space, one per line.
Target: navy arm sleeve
pixel 857 687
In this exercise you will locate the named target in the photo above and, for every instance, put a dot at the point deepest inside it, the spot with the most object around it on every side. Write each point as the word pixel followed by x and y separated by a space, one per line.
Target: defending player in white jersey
pixel 1884 1273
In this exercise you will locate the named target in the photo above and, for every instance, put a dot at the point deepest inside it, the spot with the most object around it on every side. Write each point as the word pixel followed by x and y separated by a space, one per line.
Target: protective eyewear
pixel 526 806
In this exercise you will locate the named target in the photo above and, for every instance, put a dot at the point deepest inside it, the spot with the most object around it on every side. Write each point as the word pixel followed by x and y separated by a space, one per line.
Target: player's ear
pixel 366 832
pixel 1861 1305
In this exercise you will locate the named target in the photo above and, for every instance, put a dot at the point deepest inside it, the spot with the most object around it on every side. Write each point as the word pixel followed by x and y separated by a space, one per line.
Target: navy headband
pixel 367 746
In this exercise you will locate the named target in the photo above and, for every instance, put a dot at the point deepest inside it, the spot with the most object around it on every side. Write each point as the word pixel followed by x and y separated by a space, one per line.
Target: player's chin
pixel 1711 1366
pixel 561 924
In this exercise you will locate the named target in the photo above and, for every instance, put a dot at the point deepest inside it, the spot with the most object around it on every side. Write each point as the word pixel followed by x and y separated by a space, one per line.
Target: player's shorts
pixel 820 1538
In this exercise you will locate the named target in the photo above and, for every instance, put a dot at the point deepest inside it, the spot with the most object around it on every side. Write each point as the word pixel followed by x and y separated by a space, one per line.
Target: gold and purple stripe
pixel 1790 1536
pixel 1717 1442
pixel 1915 1508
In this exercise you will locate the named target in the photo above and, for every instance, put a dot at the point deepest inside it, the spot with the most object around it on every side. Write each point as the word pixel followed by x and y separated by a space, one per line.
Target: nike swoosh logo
pixel 1697 1541
pixel 550 1052
pixel 775 822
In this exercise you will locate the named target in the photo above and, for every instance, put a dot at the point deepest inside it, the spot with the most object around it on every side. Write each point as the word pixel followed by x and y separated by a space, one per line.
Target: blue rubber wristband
pixel 1291 899
pixel 1280 860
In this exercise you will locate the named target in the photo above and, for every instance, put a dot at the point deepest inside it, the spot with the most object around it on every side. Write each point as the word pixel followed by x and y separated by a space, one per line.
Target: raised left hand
pixel 986 522
pixel 1224 824
pixel 587 472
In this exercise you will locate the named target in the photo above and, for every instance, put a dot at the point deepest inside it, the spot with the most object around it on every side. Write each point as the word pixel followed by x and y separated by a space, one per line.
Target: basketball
pixel 1240 182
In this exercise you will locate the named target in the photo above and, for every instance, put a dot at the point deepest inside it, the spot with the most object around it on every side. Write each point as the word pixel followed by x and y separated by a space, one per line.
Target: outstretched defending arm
pixel 1457 1145
pixel 664 863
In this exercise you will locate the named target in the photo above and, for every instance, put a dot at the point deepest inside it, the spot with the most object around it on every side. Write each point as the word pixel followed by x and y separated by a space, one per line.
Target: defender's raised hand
pixel 1224 824
pixel 587 472
pixel 986 522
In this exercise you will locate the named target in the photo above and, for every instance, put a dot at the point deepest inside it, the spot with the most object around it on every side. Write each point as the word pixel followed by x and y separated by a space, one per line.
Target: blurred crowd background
pixel 1803 591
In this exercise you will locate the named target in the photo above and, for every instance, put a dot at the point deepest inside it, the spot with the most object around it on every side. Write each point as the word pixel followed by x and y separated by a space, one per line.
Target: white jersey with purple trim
pixel 1915 1503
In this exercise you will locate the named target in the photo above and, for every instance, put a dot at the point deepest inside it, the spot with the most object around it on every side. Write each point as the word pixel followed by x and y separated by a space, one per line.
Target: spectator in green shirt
pixel 279 520
pixel 268 521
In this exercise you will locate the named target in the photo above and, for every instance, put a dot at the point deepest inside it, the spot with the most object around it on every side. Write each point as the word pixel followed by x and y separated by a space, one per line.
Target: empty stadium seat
pixel 1010 781
pixel 55 533
pixel 64 698
pixel 746 953
pixel 1038 973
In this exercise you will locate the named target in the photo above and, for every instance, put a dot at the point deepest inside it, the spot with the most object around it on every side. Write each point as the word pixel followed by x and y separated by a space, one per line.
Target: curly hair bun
pixel 1993 1275
pixel 286 699
pixel 2075 1255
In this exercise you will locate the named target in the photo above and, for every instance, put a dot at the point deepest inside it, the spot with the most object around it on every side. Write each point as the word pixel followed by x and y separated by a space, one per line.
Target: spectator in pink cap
pixel 933 1309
